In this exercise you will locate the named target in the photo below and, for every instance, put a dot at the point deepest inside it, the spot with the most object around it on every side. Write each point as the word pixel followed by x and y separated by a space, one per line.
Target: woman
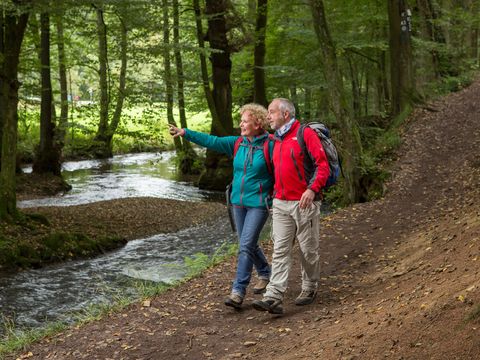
pixel 250 197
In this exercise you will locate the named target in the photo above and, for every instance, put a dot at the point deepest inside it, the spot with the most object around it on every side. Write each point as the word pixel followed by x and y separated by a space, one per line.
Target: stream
pixel 30 298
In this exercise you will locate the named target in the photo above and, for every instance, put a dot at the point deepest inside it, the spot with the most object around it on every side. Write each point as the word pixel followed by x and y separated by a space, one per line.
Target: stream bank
pixel 59 233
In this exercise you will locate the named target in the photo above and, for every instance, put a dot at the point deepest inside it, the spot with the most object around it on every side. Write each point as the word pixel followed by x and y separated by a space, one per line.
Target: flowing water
pixel 33 297
pixel 131 175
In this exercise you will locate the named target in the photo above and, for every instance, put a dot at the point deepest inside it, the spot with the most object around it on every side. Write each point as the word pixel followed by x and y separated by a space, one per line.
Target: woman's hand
pixel 175 132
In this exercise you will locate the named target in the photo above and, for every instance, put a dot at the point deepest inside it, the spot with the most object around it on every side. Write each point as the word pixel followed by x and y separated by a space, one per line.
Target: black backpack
pixel 330 150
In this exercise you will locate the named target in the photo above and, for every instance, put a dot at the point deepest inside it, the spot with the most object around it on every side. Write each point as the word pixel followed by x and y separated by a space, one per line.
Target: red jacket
pixel 294 172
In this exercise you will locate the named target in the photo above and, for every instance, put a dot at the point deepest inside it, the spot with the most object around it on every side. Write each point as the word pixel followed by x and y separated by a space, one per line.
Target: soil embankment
pixel 400 278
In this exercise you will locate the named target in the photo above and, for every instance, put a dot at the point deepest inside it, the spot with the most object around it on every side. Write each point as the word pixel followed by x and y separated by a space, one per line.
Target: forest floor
pixel 400 276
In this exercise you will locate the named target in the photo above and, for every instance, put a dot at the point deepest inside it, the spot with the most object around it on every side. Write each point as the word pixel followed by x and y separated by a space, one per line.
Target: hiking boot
pixel 234 300
pixel 271 305
pixel 260 286
pixel 306 297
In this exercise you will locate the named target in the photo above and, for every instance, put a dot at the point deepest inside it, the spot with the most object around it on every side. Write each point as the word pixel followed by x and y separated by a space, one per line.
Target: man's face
pixel 276 118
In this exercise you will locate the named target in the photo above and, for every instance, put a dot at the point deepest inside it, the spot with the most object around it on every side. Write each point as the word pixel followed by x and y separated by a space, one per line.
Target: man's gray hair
pixel 286 105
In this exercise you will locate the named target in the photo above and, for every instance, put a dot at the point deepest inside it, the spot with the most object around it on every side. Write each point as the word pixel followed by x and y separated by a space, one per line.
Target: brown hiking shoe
pixel 306 297
pixel 234 300
pixel 260 286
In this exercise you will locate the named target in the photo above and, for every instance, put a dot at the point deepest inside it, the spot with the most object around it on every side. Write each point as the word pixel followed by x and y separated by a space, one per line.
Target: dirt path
pixel 400 275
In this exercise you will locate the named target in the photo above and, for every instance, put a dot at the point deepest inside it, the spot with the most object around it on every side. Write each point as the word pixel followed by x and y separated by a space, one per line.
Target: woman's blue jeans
pixel 249 222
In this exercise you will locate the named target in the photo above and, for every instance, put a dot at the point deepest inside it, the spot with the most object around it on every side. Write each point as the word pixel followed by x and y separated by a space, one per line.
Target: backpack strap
pixel 267 154
pixel 300 137
pixel 237 145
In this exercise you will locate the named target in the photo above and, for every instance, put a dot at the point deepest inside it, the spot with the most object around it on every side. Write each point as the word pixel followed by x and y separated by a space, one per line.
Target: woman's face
pixel 249 125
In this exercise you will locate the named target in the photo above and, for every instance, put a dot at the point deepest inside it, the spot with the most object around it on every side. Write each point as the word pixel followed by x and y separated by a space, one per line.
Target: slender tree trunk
pixel 62 72
pixel 47 158
pixel 434 33
pixel 475 30
pixel 355 87
pixel 366 94
pixel 352 152
pixel 259 91
pixel 294 99
pixel 381 83
pixel 101 139
pixel 168 71
pixel 307 113
pixel 2 102
pixel 112 128
pixel 203 62
pixel 188 157
pixel 401 60
pixel 13 33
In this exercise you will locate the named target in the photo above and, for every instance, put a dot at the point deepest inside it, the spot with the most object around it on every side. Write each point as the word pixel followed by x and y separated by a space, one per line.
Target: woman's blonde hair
pixel 257 111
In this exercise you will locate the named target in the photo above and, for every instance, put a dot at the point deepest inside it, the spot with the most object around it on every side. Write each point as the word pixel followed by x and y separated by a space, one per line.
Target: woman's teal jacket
pixel 252 183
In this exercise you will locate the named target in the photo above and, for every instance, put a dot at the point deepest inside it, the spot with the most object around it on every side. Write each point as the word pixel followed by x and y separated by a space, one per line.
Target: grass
pixel 142 129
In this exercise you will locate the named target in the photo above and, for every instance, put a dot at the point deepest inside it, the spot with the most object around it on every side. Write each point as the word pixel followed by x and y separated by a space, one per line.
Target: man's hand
pixel 307 199
pixel 175 132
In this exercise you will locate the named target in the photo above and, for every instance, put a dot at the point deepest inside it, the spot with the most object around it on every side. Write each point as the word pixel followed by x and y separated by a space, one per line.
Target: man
pixel 299 178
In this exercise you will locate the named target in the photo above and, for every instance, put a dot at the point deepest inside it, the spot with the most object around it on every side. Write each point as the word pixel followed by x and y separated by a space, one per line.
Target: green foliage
pixel 15 339
pixel 142 129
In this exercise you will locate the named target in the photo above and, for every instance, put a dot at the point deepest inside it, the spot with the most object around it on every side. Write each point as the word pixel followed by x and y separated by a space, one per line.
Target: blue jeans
pixel 249 222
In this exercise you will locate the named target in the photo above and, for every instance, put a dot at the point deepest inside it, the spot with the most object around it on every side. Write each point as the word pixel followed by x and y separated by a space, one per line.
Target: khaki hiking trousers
pixel 290 223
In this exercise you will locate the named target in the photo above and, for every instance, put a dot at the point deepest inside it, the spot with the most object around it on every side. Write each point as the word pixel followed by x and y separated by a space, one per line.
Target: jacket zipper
pixel 243 178
pixel 260 195
pixel 281 182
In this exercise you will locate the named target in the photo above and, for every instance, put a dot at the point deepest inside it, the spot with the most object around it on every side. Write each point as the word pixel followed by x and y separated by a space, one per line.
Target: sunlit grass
pixel 141 129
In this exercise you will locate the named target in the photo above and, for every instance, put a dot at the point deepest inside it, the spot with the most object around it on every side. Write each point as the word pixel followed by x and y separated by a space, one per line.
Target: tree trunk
pixel 307 113
pixel 100 147
pixel 62 72
pixel 188 154
pixel 475 30
pixel 401 60
pixel 352 152
pixel 112 128
pixel 218 168
pixel 47 157
pixel 203 62
pixel 168 72
pixel 381 83
pixel 2 103
pixel 434 33
pixel 259 91
pixel 294 99
pixel 355 87
pixel 13 32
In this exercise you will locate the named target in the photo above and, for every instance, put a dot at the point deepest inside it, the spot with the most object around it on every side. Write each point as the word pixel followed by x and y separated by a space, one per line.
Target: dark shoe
pixel 306 297
pixel 270 305
pixel 234 300
pixel 260 286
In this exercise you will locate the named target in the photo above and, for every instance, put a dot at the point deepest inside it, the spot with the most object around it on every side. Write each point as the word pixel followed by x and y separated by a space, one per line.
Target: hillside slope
pixel 400 275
